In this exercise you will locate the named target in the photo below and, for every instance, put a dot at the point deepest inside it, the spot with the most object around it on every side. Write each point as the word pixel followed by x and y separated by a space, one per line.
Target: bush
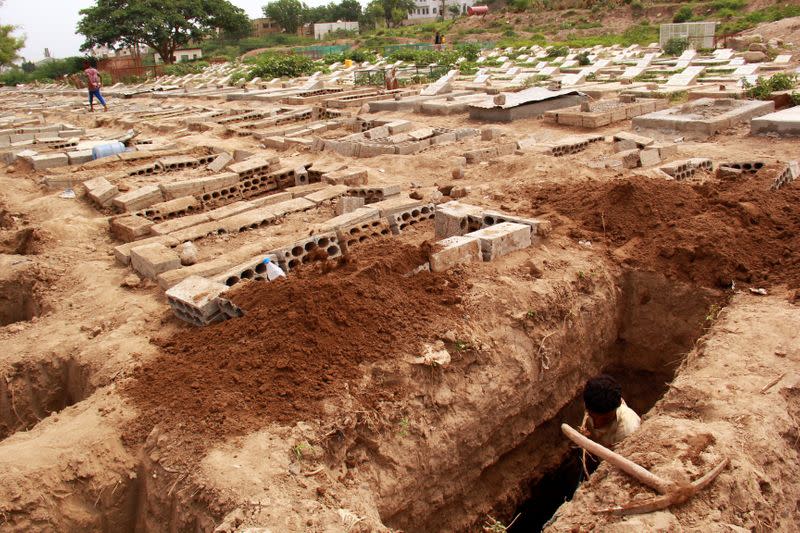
pixel 470 51
pixel 684 14
pixel 184 68
pixel 733 5
pixel 557 51
pixel 468 68
pixel 676 46
pixel 269 66
pixel 637 8
pixel 763 88
pixel 518 6
pixel 13 76
pixel 583 59
pixel 44 72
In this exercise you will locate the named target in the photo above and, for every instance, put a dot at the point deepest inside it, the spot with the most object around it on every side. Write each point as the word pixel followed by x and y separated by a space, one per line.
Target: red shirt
pixel 94 78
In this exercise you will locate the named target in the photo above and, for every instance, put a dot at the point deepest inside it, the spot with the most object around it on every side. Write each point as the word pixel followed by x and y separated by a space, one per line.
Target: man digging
pixel 608 419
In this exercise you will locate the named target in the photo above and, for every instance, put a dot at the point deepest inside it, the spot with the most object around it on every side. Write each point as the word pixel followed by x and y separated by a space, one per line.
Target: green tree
pixel 684 14
pixel 289 14
pixel 9 45
pixel 349 10
pixel 164 26
pixel 393 11
pixel 371 15
pixel 454 10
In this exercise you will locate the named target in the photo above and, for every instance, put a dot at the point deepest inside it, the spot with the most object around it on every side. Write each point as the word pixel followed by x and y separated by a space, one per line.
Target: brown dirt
pixel 290 355
pixel 710 234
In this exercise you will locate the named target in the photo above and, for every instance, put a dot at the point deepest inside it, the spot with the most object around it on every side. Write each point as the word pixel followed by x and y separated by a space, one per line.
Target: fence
pixel 410 73
pixel 317 52
pixel 699 34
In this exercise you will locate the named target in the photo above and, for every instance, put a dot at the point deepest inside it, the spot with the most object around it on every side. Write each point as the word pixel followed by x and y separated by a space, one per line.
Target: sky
pixel 51 23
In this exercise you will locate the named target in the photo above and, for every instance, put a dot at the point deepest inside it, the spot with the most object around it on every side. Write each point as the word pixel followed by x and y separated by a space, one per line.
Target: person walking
pixel 94 83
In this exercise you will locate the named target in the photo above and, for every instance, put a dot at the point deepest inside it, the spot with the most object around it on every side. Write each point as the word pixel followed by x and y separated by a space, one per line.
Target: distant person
pixel 93 83
pixel 437 41
pixel 609 419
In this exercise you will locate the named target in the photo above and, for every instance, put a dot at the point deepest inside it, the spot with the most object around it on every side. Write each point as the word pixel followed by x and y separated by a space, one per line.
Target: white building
pixel 321 29
pixel 431 9
pixel 103 52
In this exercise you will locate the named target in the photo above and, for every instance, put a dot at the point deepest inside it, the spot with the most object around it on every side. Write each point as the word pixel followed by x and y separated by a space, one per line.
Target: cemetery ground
pixel 450 285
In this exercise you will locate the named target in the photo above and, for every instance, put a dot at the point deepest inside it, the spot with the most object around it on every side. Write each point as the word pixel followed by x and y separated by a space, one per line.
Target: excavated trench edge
pixel 158 498
pixel 32 391
pixel 643 384
pixel 657 322
pixel 18 302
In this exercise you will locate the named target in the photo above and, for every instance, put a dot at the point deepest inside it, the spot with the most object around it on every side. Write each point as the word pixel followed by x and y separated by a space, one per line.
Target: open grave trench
pixel 638 328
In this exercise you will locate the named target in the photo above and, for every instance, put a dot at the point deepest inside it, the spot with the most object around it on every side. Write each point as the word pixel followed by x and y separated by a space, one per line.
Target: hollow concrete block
pixel 150 260
pixel 194 300
pixel 138 198
pixel 502 239
pixel 43 161
pixel 452 218
pixel 455 251
pixel 101 191
pixel 348 204
pixel 130 228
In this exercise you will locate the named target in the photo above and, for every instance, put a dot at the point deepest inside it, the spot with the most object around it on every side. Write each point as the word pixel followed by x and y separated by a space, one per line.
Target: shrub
pixel 583 59
pixel 470 51
pixel 733 5
pixel 518 6
pixel 277 66
pixel 468 68
pixel 684 14
pixel 763 88
pixel 557 51
pixel 637 8
pixel 676 46
pixel 188 67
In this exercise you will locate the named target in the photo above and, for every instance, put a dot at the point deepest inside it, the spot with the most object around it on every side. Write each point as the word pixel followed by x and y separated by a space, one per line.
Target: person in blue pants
pixel 93 83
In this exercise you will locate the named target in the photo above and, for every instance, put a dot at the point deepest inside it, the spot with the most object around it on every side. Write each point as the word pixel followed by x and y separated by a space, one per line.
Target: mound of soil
pixel 302 341
pixel 709 234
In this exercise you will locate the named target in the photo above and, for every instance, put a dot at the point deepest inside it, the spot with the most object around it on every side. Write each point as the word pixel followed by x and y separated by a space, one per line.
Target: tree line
pixel 292 14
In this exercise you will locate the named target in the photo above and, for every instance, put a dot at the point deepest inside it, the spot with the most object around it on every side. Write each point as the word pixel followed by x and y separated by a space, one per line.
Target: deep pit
pixel 29 392
pixel 18 302
pixel 660 321
pixel 657 322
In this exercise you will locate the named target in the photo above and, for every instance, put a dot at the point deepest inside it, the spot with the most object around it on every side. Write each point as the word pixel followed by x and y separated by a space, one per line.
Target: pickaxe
pixel 672 493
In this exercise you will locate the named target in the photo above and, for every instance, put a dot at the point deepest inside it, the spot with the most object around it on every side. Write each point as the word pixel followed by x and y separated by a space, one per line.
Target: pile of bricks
pixel 469 233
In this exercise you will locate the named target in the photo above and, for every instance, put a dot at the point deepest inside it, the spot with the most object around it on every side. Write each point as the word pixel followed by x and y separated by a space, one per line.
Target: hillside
pixel 587 23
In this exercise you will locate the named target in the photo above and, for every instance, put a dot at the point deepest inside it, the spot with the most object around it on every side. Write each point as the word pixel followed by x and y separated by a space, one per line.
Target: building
pixel 182 54
pixel 187 54
pixel 264 26
pixel 105 52
pixel 321 29
pixel 699 34
pixel 432 9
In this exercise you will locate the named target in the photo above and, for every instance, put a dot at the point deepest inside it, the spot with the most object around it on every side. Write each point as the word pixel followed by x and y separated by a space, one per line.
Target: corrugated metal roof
pixel 534 94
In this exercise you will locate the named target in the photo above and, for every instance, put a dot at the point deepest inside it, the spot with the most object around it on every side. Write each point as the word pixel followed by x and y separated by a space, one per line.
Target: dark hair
pixel 602 394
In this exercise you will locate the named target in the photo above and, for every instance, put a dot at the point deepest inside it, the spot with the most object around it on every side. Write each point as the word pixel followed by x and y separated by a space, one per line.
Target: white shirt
pixel 626 423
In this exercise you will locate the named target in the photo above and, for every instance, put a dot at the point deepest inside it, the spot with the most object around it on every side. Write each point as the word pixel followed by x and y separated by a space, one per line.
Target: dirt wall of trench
pixel 744 372
pixel 484 431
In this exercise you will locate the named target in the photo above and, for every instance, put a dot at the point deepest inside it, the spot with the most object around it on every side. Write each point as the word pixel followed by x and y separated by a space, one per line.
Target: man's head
pixel 601 396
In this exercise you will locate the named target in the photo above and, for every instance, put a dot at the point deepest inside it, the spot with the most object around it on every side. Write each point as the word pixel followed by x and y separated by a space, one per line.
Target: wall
pixel 322 29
